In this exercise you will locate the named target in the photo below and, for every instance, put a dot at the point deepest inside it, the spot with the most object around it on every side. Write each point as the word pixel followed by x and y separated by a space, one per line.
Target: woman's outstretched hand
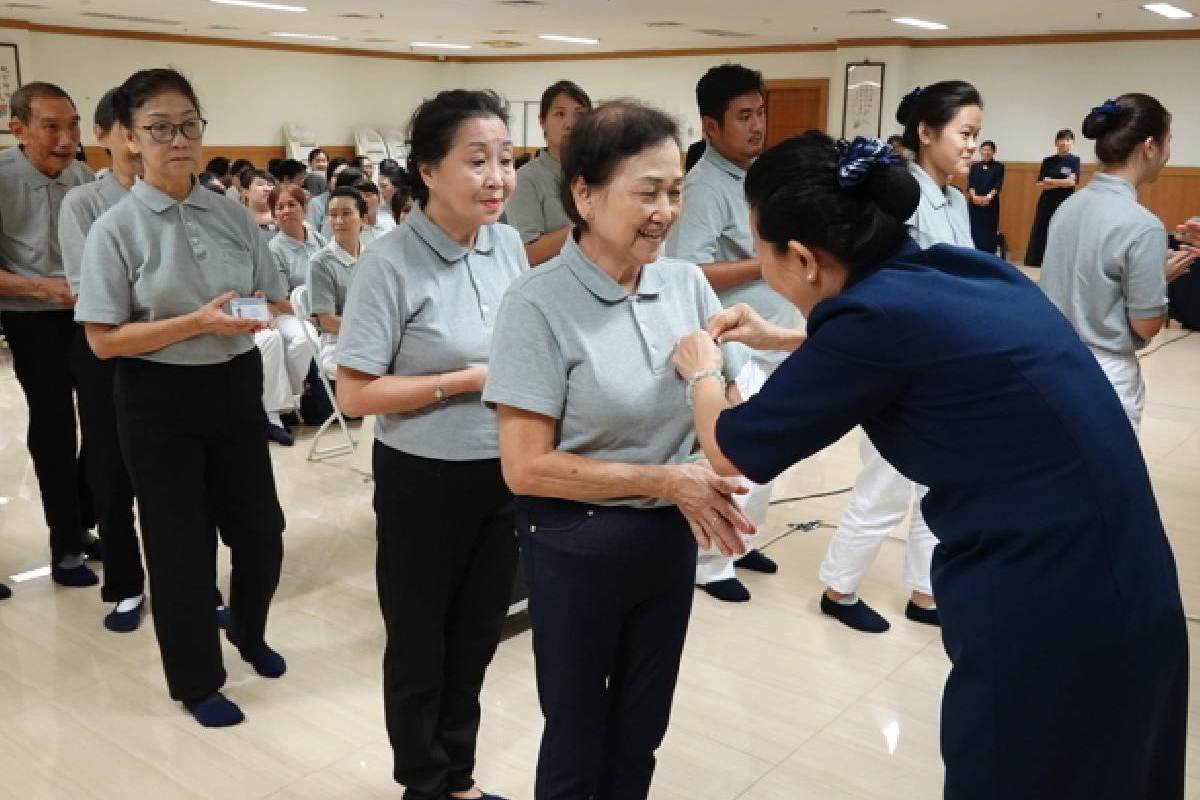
pixel 743 324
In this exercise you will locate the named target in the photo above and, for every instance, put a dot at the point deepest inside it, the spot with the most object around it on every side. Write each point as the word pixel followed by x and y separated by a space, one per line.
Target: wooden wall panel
pixel 1174 197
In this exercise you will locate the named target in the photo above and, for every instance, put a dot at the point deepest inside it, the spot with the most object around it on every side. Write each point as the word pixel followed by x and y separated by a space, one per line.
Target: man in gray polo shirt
pixel 714 233
pixel 35 307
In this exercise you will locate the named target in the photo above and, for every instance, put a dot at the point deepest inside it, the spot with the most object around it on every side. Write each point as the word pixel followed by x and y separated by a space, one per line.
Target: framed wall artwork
pixel 862 109
pixel 10 80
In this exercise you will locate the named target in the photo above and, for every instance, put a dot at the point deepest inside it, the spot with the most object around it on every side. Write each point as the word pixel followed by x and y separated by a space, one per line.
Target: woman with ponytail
pixel 1056 586
pixel 1107 265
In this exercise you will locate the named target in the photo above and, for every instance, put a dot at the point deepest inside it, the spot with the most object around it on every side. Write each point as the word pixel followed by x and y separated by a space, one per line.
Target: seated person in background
pixel 290 172
pixel 346 176
pixel 211 182
pixel 234 187
pixel 389 178
pixel 296 242
pixel 222 169
pixel 388 164
pixel 365 164
pixel 316 209
pixel 330 270
pixel 314 181
pixel 257 198
pixel 402 202
pixel 374 226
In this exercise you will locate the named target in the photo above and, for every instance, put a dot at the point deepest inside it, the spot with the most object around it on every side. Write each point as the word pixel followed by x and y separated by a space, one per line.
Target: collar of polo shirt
pixel 722 163
pixel 1114 183
pixel 600 283
pixel 341 254
pixel 449 250
pixel 936 195
pixel 159 202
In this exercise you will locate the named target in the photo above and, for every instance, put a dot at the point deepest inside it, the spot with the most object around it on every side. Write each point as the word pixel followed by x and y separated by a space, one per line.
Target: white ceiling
pixel 619 24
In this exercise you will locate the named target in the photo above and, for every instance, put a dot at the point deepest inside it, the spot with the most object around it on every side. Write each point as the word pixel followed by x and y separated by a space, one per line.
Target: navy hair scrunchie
pixel 861 156
pixel 1109 107
pixel 913 95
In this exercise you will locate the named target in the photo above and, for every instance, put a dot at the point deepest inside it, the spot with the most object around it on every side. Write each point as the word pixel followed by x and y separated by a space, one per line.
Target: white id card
pixel 250 308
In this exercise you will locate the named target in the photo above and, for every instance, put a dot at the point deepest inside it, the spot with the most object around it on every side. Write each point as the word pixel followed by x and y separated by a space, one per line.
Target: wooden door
pixel 795 106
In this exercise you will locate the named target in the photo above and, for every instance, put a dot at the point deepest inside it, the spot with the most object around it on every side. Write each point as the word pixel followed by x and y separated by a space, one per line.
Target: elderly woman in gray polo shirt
pixel 412 349
pixel 594 433
pixel 159 269
pixel 1106 265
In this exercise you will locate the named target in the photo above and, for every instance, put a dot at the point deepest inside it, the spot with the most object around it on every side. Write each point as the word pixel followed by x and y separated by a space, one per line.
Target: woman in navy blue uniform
pixel 984 183
pixel 1057 588
pixel 1058 179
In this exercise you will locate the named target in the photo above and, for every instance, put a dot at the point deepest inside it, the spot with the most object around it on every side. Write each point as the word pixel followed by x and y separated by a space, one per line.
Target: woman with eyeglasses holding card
pixel 162 273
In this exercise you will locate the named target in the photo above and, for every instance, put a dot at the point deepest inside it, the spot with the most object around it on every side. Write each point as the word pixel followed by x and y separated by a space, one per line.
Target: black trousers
pixel 192 439
pixel 111 489
pixel 446 558
pixel 41 344
pixel 610 593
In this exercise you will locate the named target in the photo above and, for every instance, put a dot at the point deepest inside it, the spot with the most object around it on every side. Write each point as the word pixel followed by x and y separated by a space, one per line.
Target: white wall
pixel 247 95
pixel 1029 91
pixel 1032 91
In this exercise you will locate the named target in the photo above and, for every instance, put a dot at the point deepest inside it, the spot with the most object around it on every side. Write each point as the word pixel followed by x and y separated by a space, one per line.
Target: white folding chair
pixel 303 310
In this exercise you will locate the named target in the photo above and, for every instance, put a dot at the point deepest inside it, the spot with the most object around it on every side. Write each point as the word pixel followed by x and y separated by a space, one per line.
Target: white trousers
pixel 286 354
pixel 277 387
pixel 879 502
pixel 1125 374
pixel 711 565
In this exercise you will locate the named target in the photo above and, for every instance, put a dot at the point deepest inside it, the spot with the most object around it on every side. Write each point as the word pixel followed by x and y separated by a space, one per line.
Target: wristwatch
pixel 439 394
pixel 698 376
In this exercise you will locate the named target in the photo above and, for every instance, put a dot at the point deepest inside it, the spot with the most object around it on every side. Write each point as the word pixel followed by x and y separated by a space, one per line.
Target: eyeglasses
pixel 164 132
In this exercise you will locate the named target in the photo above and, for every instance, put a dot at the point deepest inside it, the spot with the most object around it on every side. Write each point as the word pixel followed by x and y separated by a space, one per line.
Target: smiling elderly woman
pixel 593 433
pixel 1058 594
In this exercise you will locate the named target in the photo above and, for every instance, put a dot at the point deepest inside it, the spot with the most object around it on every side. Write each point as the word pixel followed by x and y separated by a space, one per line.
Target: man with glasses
pixel 36 311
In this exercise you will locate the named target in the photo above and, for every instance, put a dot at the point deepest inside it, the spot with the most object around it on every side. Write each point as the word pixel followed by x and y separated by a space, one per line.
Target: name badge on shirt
pixel 1064 170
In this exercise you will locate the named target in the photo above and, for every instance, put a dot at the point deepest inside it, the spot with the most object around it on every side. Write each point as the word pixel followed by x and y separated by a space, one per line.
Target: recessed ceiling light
pixel 324 37
pixel 443 45
pixel 1169 11
pixel 920 23
pixel 554 37
pixel 261 6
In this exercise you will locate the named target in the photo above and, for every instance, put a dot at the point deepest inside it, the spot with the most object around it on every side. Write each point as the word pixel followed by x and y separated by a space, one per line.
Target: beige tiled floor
pixel 774 703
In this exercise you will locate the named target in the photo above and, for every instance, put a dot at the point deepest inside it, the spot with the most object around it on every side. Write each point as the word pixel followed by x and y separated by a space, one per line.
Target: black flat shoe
pixel 73 577
pixel 860 616
pixel 125 621
pixel 925 616
pixel 279 435
pixel 757 561
pixel 5 592
pixel 730 590
pixel 93 548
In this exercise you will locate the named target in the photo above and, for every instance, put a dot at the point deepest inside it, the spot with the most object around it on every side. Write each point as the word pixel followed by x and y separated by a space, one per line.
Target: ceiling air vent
pixel 357 15
pixel 664 24
pixel 128 18
pixel 24 6
pixel 223 28
pixel 522 3
pixel 721 33
pixel 868 12
pixel 502 44
pixel 378 40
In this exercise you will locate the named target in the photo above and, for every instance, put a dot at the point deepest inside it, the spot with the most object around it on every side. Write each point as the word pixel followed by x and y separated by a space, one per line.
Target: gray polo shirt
pixel 570 344
pixel 422 304
pixel 941 216
pixel 535 207
pixel 30 203
pixel 82 206
pixel 329 274
pixel 151 258
pixel 1105 262
pixel 291 256
pixel 314 215
pixel 714 225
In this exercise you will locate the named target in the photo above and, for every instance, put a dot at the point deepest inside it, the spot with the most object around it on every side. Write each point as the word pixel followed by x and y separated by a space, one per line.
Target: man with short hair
pixel 713 232
pixel 36 309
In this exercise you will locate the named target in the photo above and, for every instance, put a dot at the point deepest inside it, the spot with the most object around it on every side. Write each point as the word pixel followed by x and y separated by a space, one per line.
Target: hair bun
pixel 895 191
